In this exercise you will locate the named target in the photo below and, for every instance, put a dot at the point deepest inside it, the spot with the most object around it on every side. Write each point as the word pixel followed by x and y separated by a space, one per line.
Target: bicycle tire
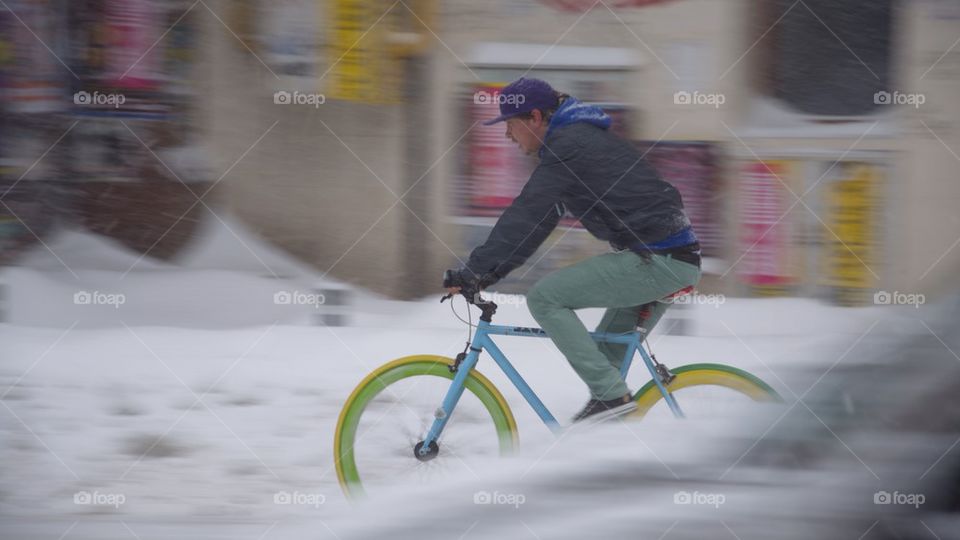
pixel 403 368
pixel 692 375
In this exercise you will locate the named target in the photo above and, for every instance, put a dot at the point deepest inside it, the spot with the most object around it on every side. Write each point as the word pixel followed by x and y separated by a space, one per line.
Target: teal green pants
pixel 621 282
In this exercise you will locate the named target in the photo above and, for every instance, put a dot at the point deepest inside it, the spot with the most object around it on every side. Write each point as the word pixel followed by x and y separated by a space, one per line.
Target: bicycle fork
pixel 442 414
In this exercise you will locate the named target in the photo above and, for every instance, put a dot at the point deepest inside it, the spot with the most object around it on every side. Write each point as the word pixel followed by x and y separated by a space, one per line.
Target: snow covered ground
pixel 199 399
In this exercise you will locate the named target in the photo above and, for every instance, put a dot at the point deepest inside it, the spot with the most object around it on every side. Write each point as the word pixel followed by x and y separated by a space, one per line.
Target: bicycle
pixel 488 408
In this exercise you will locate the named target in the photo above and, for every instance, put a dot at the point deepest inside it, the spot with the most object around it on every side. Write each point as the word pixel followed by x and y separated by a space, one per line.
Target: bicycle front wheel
pixel 391 410
pixel 704 391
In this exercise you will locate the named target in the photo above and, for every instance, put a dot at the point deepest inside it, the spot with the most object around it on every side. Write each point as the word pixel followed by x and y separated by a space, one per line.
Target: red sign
pixel 763 228
pixel 133 55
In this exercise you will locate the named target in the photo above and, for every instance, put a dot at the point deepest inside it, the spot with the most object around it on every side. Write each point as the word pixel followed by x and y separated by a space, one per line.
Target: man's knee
pixel 538 298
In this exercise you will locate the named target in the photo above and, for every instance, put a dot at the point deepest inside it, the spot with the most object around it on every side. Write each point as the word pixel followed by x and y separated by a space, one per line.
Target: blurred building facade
pixel 815 142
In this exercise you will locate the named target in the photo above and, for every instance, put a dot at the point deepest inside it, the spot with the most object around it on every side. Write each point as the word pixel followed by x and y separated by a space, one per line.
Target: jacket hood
pixel 572 111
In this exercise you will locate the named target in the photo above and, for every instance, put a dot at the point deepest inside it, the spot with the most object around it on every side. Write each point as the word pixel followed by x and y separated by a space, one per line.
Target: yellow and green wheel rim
pixel 705 375
pixel 411 366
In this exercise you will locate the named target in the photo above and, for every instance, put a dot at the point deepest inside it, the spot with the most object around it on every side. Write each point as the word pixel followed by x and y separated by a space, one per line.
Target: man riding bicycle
pixel 604 182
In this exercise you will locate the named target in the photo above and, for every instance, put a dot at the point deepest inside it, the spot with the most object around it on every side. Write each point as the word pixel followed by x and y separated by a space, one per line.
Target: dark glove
pixel 467 280
pixel 470 286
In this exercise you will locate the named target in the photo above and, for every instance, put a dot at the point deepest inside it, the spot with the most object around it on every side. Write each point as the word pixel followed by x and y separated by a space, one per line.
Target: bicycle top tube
pixel 524 331
pixel 486 326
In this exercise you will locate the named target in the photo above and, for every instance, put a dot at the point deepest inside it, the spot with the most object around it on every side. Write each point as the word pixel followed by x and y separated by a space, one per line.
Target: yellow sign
pixel 368 41
pixel 851 210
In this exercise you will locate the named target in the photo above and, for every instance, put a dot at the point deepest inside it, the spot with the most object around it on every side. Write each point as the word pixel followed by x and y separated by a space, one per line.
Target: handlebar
pixel 472 296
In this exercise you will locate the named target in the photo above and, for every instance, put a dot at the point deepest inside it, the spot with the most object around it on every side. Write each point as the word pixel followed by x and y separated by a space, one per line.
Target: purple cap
pixel 523 96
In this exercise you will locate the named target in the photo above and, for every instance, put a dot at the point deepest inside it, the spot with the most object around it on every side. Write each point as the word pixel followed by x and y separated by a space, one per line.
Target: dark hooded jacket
pixel 597 177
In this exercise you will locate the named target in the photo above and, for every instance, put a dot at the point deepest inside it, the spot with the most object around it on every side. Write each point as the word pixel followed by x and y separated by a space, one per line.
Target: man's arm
pixel 527 222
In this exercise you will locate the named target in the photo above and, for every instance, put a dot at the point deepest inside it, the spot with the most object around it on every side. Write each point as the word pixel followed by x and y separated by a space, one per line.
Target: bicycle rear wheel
pixel 391 410
pixel 704 391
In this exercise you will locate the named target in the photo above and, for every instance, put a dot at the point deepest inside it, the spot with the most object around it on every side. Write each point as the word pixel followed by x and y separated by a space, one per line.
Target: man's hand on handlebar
pixel 455 281
pixel 465 282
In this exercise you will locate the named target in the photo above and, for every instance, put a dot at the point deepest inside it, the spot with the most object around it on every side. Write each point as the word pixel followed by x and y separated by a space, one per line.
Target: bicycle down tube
pixel 482 341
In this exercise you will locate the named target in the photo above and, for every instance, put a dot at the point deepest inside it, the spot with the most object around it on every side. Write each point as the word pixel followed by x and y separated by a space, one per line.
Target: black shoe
pixel 599 410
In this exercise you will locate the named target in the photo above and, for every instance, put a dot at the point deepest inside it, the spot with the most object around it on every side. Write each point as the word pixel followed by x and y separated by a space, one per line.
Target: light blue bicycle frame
pixel 482 341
